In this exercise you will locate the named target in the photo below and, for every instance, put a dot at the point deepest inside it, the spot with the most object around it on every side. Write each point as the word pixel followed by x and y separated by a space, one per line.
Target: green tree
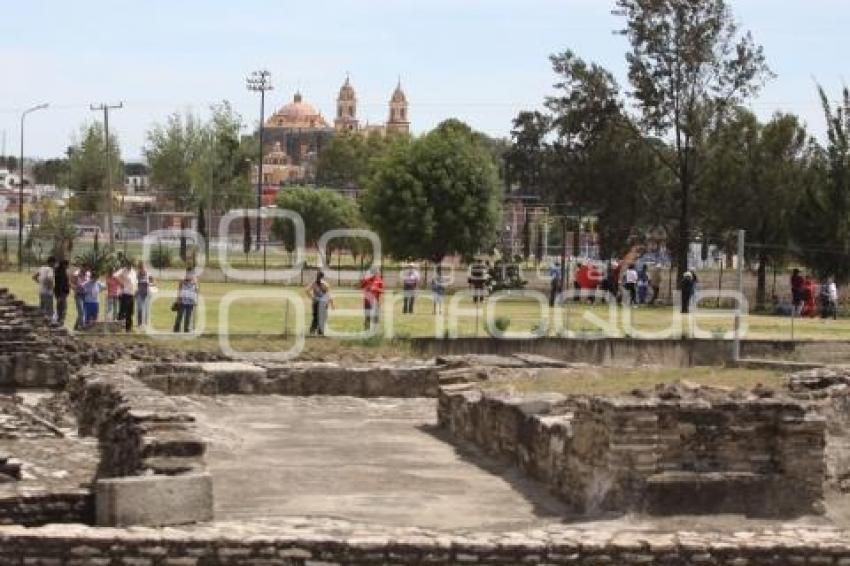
pixel 322 209
pixel 222 172
pixel 435 196
pixel 348 159
pixel 87 168
pixel 688 65
pixel 822 225
pixel 172 151
pixel 527 154
pixel 51 171
pixel 755 167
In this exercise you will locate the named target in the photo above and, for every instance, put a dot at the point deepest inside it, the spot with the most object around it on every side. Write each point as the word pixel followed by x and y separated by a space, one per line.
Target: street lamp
pixel 260 81
pixel 21 188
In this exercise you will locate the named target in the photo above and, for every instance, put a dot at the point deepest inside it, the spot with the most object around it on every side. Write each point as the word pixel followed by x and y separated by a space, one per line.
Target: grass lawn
pixel 255 311
pixel 602 381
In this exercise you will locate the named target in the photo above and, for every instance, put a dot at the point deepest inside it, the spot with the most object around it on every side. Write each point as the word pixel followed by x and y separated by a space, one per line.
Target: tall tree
pixel 172 150
pixel 87 168
pixel 527 154
pixel 754 166
pixel 688 65
pixel 822 227
pixel 436 196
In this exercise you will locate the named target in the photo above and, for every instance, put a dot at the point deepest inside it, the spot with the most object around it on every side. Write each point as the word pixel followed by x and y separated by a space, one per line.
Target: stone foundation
pixel 678 451
pixel 310 542
pixel 302 379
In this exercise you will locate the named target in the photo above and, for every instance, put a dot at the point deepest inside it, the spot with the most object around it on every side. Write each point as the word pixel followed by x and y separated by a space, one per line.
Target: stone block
pixel 154 500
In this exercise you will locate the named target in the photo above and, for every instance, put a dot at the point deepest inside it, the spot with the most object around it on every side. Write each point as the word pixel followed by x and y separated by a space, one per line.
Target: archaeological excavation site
pixel 138 454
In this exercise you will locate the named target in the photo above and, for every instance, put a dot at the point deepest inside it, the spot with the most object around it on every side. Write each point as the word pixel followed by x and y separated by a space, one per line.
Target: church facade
pixel 297 133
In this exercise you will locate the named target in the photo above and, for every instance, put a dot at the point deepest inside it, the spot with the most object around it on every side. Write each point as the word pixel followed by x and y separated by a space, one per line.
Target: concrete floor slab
pixel 370 460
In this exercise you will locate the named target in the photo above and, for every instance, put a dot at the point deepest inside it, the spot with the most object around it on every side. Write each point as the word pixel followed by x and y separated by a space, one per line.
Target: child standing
pixel 91 298
pixel 438 290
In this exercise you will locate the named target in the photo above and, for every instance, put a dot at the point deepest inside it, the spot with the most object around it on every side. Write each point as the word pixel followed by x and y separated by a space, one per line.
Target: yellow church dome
pixel 297 114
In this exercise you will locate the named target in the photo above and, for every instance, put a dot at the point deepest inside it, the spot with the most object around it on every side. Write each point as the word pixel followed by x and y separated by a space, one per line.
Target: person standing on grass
pixel 409 281
pixel 643 284
pixel 45 277
pixel 829 299
pixel 92 290
pixel 320 298
pixel 143 296
pixel 113 297
pixel 128 278
pixel 630 280
pixel 797 291
pixel 187 298
pixel 655 283
pixel 687 289
pixel 438 292
pixel 373 287
pixel 555 283
pixel 61 290
pixel 78 286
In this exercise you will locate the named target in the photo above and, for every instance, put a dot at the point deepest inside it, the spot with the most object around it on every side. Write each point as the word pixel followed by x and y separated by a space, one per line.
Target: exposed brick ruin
pixel 676 450
pixel 140 430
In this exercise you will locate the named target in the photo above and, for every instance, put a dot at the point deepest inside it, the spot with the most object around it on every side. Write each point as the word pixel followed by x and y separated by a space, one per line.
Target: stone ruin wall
pixel 652 455
pixel 306 542
pixel 139 430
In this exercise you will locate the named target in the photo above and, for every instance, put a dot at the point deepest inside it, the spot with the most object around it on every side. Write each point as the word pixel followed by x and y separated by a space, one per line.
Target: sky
pixel 481 61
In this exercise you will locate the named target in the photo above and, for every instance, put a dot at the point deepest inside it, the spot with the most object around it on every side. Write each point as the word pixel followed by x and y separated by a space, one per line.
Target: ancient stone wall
pixel 292 379
pixel 140 430
pixel 679 454
pixel 306 542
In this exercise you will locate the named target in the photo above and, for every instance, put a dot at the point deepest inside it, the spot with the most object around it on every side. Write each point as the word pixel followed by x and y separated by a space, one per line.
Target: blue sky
pixel 478 60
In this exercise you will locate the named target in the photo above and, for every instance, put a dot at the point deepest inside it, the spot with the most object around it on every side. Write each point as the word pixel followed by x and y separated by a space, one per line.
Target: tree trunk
pixel 684 229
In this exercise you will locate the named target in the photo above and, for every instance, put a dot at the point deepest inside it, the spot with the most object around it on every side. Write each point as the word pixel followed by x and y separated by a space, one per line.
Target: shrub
pixel 161 258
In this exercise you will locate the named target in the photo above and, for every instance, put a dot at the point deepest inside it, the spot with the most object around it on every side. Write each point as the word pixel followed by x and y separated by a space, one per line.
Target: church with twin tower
pixel 297 133
pixel 346 112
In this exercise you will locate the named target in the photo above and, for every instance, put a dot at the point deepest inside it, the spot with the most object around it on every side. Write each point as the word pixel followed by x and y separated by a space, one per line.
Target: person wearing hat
pixel 409 281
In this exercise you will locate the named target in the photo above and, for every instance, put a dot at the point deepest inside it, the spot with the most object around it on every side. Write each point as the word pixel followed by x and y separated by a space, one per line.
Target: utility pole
pixel 260 81
pixel 21 188
pixel 106 108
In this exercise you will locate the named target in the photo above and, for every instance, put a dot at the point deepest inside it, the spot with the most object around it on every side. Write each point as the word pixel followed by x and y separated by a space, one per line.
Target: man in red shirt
pixel 373 287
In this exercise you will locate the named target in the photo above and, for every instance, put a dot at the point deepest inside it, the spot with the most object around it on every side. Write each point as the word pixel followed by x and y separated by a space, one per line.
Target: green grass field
pixel 607 381
pixel 257 310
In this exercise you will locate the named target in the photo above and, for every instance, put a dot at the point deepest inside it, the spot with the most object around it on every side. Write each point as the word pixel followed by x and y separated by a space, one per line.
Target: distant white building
pixel 136 178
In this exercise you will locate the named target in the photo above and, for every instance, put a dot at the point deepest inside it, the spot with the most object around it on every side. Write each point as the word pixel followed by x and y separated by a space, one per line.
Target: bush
pixel 161 258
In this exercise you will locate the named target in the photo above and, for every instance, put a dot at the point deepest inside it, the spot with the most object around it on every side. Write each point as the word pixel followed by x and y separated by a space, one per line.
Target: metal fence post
pixel 736 344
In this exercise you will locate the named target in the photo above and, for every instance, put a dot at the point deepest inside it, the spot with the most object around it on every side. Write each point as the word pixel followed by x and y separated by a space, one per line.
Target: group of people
pixel 372 287
pixel 808 299
pixel 128 292
pixel 630 285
